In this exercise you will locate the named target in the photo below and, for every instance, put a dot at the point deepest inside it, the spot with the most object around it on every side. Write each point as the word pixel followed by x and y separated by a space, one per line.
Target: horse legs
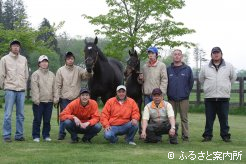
pixel 94 97
pixel 107 96
pixel 139 102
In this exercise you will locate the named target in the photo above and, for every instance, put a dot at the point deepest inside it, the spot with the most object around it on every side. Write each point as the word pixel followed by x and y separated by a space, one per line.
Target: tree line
pixel 128 24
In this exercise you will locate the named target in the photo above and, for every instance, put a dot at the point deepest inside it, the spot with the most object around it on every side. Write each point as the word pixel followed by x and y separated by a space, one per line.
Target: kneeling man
pixel 158 119
pixel 120 116
pixel 82 116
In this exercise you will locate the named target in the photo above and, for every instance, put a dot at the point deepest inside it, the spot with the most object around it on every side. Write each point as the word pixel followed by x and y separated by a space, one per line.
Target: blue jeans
pixel 11 98
pixel 147 99
pixel 89 132
pixel 221 108
pixel 63 104
pixel 41 111
pixel 128 129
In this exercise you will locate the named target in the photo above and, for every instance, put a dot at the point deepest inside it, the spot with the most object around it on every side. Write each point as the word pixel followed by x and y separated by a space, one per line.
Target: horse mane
pixel 101 55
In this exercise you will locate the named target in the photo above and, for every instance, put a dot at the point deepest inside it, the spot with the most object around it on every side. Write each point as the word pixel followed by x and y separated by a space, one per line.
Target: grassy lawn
pixel 102 152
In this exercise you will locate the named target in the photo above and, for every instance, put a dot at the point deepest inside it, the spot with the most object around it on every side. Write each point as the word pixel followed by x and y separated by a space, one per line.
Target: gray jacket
pixel 217 83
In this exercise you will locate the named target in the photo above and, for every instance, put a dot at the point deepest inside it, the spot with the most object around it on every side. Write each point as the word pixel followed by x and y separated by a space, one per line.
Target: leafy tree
pixel 13 14
pixel 140 23
pixel 28 38
pixel 76 45
pixel 48 36
pixel 1 11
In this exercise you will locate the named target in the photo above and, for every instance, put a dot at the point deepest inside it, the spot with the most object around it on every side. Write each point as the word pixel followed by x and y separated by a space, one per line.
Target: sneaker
pixel 36 139
pixel 132 143
pixel 61 137
pixel 7 140
pixel 20 139
pixel 47 139
pixel 206 139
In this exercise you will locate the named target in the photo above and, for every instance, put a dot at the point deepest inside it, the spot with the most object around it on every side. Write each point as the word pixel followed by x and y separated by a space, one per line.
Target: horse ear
pixel 96 40
pixel 86 41
pixel 130 53
pixel 135 53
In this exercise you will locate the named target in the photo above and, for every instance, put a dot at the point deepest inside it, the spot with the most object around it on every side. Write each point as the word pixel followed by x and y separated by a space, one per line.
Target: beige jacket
pixel 13 72
pixel 217 84
pixel 155 77
pixel 43 86
pixel 68 81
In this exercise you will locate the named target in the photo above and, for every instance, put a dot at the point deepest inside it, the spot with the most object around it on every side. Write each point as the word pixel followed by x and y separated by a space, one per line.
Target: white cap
pixel 42 57
pixel 121 87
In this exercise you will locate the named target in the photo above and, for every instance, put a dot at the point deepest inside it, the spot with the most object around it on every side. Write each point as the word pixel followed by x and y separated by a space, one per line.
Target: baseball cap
pixel 84 90
pixel 216 49
pixel 152 49
pixel 15 42
pixel 121 87
pixel 156 91
pixel 42 57
pixel 69 54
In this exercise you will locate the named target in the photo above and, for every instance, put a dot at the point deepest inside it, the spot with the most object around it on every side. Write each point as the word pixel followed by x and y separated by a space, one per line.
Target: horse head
pixel 133 63
pixel 91 53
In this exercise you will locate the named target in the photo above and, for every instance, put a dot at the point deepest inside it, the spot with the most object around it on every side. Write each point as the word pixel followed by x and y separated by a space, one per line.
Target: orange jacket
pixel 89 113
pixel 114 113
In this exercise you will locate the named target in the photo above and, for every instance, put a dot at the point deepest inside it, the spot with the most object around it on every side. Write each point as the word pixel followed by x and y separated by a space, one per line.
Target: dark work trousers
pixel 41 111
pixel 154 132
pixel 221 108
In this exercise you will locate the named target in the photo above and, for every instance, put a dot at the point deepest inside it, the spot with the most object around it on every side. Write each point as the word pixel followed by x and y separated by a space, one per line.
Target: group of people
pixel 120 115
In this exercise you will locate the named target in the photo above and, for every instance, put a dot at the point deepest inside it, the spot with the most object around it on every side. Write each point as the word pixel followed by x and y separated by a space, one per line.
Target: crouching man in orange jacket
pixel 120 116
pixel 82 116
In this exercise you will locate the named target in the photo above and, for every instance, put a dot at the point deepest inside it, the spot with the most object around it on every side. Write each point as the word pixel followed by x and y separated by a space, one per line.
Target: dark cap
pixel 69 54
pixel 216 49
pixel 84 90
pixel 15 42
pixel 156 91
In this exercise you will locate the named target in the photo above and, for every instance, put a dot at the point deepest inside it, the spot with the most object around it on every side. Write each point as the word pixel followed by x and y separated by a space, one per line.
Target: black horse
pixel 132 71
pixel 108 72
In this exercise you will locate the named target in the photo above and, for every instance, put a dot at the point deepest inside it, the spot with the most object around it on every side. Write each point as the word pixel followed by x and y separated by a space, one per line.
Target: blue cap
pixel 152 49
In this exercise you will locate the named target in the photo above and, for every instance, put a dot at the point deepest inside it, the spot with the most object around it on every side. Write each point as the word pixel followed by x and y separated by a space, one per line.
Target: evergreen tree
pixel 14 14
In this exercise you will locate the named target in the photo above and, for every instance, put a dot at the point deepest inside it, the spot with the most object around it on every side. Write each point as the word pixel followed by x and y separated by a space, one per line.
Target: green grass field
pixel 100 151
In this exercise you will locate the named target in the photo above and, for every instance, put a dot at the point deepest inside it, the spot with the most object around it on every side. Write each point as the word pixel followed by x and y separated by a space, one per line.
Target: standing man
pixel 68 84
pixel 180 83
pixel 158 119
pixel 154 75
pixel 13 79
pixel 217 78
pixel 120 116
pixel 43 96
pixel 82 116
